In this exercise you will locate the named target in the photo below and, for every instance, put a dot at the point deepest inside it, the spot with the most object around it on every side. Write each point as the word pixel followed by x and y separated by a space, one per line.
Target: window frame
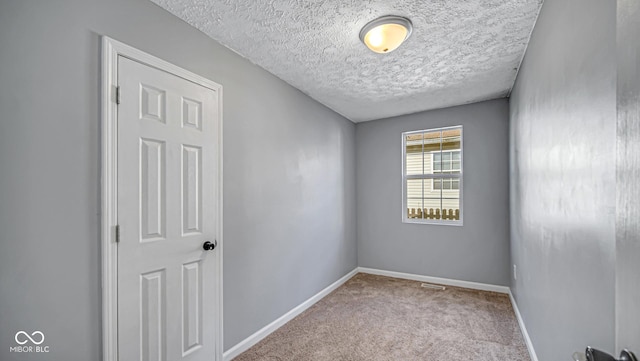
pixel 405 177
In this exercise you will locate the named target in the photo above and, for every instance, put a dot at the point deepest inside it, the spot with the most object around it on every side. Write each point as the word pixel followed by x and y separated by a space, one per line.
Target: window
pixel 432 176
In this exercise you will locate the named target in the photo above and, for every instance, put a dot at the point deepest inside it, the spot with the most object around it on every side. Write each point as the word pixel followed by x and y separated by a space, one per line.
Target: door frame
pixel 111 50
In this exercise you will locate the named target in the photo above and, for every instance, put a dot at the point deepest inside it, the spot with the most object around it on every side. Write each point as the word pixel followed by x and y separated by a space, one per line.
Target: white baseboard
pixel 247 343
pixel 523 329
pixel 437 280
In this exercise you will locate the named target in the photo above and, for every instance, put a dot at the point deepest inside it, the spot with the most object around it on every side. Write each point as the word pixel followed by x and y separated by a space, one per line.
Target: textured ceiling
pixel 461 51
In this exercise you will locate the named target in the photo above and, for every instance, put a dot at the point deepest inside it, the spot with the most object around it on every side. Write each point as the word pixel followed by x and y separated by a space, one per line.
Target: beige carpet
pixel 380 318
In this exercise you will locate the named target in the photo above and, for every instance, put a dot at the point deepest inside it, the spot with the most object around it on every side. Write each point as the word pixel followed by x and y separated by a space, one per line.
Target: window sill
pixel 433 223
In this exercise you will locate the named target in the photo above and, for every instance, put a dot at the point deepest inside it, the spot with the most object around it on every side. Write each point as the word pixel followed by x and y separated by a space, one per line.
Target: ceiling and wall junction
pixel 460 51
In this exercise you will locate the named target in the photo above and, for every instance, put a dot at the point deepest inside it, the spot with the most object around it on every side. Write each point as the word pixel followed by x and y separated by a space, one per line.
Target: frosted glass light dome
pixel 384 35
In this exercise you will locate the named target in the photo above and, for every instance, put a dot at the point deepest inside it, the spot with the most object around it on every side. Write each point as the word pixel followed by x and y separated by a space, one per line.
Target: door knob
pixel 627 355
pixel 208 246
pixel 592 354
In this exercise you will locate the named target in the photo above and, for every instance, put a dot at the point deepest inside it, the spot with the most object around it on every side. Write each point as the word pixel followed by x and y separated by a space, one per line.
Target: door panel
pixel 167 174
pixel 152 192
pixel 191 306
pixel 191 189
pixel 152 323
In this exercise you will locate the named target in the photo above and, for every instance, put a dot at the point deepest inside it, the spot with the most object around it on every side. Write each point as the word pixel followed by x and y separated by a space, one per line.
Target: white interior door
pixel 168 283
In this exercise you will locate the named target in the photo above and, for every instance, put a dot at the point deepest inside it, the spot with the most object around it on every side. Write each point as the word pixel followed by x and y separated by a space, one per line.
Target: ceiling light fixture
pixel 384 35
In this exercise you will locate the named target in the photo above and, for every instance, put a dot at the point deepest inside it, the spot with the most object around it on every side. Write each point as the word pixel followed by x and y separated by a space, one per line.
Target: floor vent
pixel 433 287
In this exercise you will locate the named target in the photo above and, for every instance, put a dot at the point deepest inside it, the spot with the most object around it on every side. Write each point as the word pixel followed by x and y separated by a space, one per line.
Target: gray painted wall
pixel 563 134
pixel 477 251
pixel 628 174
pixel 288 170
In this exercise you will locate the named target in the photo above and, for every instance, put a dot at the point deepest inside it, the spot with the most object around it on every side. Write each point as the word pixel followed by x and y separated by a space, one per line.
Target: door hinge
pixel 118 92
pixel 117 233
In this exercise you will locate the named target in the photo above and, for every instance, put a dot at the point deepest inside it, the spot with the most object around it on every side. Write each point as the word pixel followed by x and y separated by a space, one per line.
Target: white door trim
pixel 111 49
